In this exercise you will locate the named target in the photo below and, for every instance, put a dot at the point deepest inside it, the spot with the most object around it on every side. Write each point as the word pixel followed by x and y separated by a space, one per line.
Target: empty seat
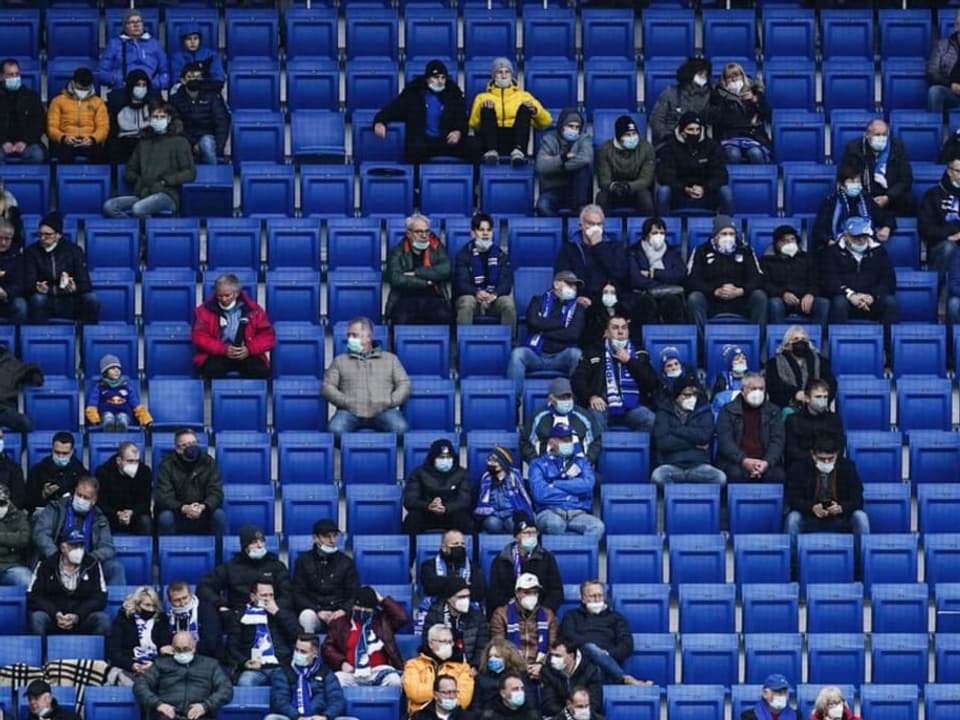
pixel 293 244
pixel 53 406
pixel 30 184
pixel 623 701
pixel 848 83
pixel 211 194
pixel 254 84
pixel 887 505
pixel 639 559
pixel 625 458
pixel 864 403
pixel 116 290
pixel 899 607
pixel 755 508
pixel 305 504
pixel 805 184
pixel 889 700
pixel 770 607
pixel 368 458
pixel 248 703
pixel 112 243
pixel 919 349
pixel 244 456
pixel 110 703
pixel 607 32
pixel 919 130
pixel 730 34
pixel 697 559
pixel 186 557
pixel 947 653
pixel 267 189
pixel 249 504
pixel 239 404
pixel 20 35
pixel 834 607
pixel 628 508
pixel 135 552
pixel 176 402
pixel 610 83
pixel 251 33
pixel 835 658
pixel 924 403
pixel 889 558
pixel 52 347
pixel 353 242
pixel 299 352
pixel 369 82
pixel 489 33
pixel 483 350
pixel 431 403
pixel 506 190
pixel 311 32
pixel 386 189
pixel 755 187
pixel 168 349
pixel 691 508
pixel 878 454
pixel 903 83
pixel 293 295
pixel 941 701
pixel 646 606
pixel 708 658
pixel 825 558
pixel 578 556
pixel 488 404
pixel 373 703
pixel 372 32
pixel 304 457
pixel 761 559
pixel 788 33
pixel 353 293
pixel 938 506
pixel 72 32
pixel 791 85
pixel 899 658
pixel 312 84
pixel 773 653
pixel 13 609
pixel 847 34
pixel 668 33
pixel 917 293
pixel 707 607
pixel 383 557
pixel 532 241
pixel 316 136
pixel 445 189
pixel 941 557
pixel 431 33
pixel 374 509
pixel 257 135
pixel 903 247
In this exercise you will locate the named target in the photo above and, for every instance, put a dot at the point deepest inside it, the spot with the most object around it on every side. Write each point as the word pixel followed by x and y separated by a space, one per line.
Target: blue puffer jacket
pixel 210 59
pixel 125 53
pixel 684 442
pixel 551 490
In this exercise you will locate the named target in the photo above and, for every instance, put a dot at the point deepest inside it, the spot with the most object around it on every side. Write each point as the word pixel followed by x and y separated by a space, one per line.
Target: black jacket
pixel 596 264
pixel 430 713
pixel 598 317
pixel 46 471
pixel 123 638
pixel 802 428
pixel 589 378
pixel 674 272
pixel 799 274
pixel 800 493
pixel 324 582
pixel 609 630
pixel 57 712
pixel 932 216
pixel 684 440
pixel 824 229
pixel 434 585
pixel 12 476
pixel 732 117
pixel 426 483
pixel 499 711
pixel 14 373
pixel 899 173
pixel 47 266
pixel 840 272
pixel 47 594
pixel 781 389
pixel 409 107
pixel 12 280
pixel 21 116
pixel 234 579
pixel 205 114
pixel 680 165
pixel 119 492
pixel 284 628
pixel 730 432
pixel 710 269
pixel 555 686
pixel 556 336
pixel 472 629
pixel 503 578
pixel 463 273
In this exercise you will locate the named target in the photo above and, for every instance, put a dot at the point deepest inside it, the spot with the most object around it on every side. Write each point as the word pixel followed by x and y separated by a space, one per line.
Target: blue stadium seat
pixel 653 658
pixel 667 33
pixel 481 442
pixel 248 703
pixel 905 34
pixel 938 506
pixel 947 653
pixel 903 246
pixel 445 189
pixel 645 605
pixel 578 556
pixel 13 609
pixel 112 243
pixel 302 505
pixel 353 242
pixel 754 508
pixel 636 559
pixel 456 234
pixel 386 189
pixel 168 349
pixel 249 504
pixel 303 457
pixel 923 403
pixel 82 188
pixel 791 84
pixel 770 607
pixel 52 347
pixel 747 337
pixel 917 294
pixel 267 189
pixel 788 33
pixel 313 84
pixel 947 603
pixel 353 293
pixel 30 184
pixel 629 508
pixel 489 33
pixel 825 558
pixel 373 703
pixel 506 190
pixel 609 83
pixel 607 33
pixel 211 194
pixel 244 455
pixel 311 32
pixel 639 703
pixel 761 559
pixel 135 552
pixel 899 607
pixel 239 404
pixel 878 454
pixel 369 82
pixel 21 649
pixel 847 34
pixel 707 607
pixel 254 84
pixel 920 131
pixel 429 33
pixel 20 34
pixel 368 458
pixel 887 505
pixel 625 457
pixel 682 337
pixel 293 244
pixel 755 187
pixel 293 295
pixel 547 33
pixel 487 404
pixel 834 607
pixel 483 350
pixel 251 33
pixel 804 186
pixel 186 557
pixel 317 135
pixel 374 509
pixel 372 33
pixel 431 403
pixel 730 34
pixel 30 72
pixel 367 147
pixel 112 338
pixel 704 659
pixel 890 558
pixel 298 354
pixel 382 559
pixel 257 135
pixel 110 703
pixel 941 558
pixel 774 653
pixel 176 402
pixel 533 240
pixel 691 509
pixel 889 701
pixel 904 85
pixel 71 32
pixel 941 701
pixel 659 73
pixel 796 133
pixel 857 349
pixel 697 559
pixel 416 446
pixel 899 658
pixel 848 83
pixel 835 658
pixel 116 290
pixel 54 406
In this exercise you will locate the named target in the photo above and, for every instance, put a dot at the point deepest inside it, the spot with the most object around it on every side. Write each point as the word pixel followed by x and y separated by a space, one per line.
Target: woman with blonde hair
pixel 739 112
pixel 830 705
pixel 140 631
pixel 499 656
pixel 10 211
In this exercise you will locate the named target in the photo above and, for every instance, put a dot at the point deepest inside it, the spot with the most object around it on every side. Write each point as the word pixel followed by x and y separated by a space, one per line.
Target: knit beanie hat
pixel 503 457
pixel 249 533
pixel 729 352
pixel 499 63
pixel 569 114
pixel 669 353
pixel 109 361
pixel 623 125
pixel 722 222
pixel 54 221
pixel 435 67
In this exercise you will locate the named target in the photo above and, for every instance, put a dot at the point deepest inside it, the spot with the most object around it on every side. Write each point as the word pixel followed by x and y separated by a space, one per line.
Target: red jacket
pixel 847 714
pixel 390 618
pixel 258 333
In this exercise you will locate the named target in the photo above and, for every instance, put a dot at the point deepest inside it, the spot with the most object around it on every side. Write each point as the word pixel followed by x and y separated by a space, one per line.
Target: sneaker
pixel 631 680
pixel 491 157
pixel 518 157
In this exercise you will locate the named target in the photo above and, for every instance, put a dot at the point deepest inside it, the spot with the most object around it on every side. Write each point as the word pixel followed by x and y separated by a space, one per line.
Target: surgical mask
pixel 699 80
pixel 955 183
pixel 735 87
pixel 448 704
pixel 517 699
pixel 657 241
pixel 824 467
pixel 674 374
pixel 130 469
pixel 878 143
pixel 61 461
pixel 83 94
pixel 75 556
pixel 159 125
pixel 778 702
pixel 529 602
pixel 257 553
pixel 631 142
pixel 12 84
pixel 462 605
pixel 565 449
pixel 593 231
pixel 568 293
pixel 139 92
pixel 557 663
pixel 495 664
pixel 581 713
pixel 193 85
pixel 789 249
pixel 421 244
pixel 327 549
pixel 858 248
pixel 569 134
pixel 853 189
pixel 436 87
pixel 503 83
pixel 619 345
pixel 726 243
pixel 229 306
pixel 81 505
pixel 4 509
pixel 689 403
pixel 754 398
pixel 354 345
pixel 300 659
pixel 444 465
pixel 44 712
pixel 595 608
pixel 609 300
pixel 835 712
pixel 184 658
pixel 191 453
pixel 483 245
pixel 444 651
pixel 739 367
pixel 528 544
pixel 819 404
pixel 564 407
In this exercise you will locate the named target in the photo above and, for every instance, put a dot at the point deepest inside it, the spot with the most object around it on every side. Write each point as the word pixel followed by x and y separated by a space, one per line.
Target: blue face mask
pixel 853 189
pixel 12 84
pixel 630 143
pixel 444 465
pixel 61 461
pixel 569 134
pixel 257 553
pixel 565 449
pixel 354 345
pixel 495 664
pixel 517 699
pixel 564 407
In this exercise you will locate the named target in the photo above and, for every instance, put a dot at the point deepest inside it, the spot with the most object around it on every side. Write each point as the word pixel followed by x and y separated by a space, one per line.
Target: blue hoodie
pixel 209 58
pixel 143 53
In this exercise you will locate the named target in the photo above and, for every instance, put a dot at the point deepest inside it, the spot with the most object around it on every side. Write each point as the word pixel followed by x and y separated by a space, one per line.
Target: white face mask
pixel 878 143
pixel 557 663
pixel 835 712
pixel 755 397
pixel 789 249
pixel 462 605
pixel 567 293
pixel 657 241
pixel 824 467
pixel 229 306
pixel 581 713
pixel 139 92
pixel 674 374
pixel 619 345
pixel 689 404
pixel 739 367
pixel 503 83
pixel 130 469
pixel 83 94
pixel 778 702
pixel 609 300
pixel 735 86
pixel 184 658
pixel 444 651
pixel 699 80
pixel 3 511
pixel 726 242
pixel 75 555
pixel 595 608
pixel 529 602
pixel 593 231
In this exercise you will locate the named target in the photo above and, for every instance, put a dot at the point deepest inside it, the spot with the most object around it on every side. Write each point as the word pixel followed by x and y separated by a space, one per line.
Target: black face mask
pixel 193 85
pixel 147 614
pixel 800 347
pixel 456 554
pixel 691 139
pixel 493 469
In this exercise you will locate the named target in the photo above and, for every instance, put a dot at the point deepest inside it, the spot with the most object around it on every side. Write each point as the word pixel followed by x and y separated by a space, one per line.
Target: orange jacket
pixel 69 115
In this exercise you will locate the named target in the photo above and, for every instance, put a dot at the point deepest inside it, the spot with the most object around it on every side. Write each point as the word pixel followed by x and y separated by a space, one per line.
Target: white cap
pixel 527 581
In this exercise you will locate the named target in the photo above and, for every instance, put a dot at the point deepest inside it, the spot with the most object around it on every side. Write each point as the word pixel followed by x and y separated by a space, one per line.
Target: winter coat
pixel 609 630
pixel 387 621
pixel 426 483
pixel 231 582
pixel 12 476
pixel 732 117
pixel 802 428
pixel 730 433
pixel 536 431
pixel 529 645
pixel 683 441
pixel 284 628
pixel 124 53
pixel 614 163
pixel 69 115
pixel 710 269
pixel 800 493
pixel 259 336
pixel 409 107
pixel 14 373
pixel 57 712
pixel 501 498
pixel 781 390
pixel 932 221
pixel 326 695
pixel 47 594
pixel 553 489
pixel 680 164
pixel 66 257
pixel 21 116
pixel 123 638
pixel 428 279
pixel 674 271
pixel 208 57
pixel 840 272
pixel 181 483
pixel 366 385
pixel 499 711
pixel 161 163
pixel 429 712
pixel 598 317
pixel 557 337
pixel 128 115
pixel 589 378
pixel 11 274
pixel 46 471
pixel 120 492
pixel 434 584
pixel 799 274
pixel 14 538
pixel 205 114
pixel 324 582
pixel 824 230
pixel 420 672
pixel 945 54
pixel 552 166
pixel 48 526
pixel 899 174
pixel 124 398
pixel 503 577
pixel 506 102
pixel 672 103
pixel 555 686
pixel 473 628
pixel 463 273
pixel 202 681
pixel 596 264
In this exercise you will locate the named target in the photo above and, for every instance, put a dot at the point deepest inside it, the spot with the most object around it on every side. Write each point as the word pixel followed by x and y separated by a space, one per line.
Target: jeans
pixel 16 575
pixel 640 418
pixel 114 572
pixel 390 420
pixel 575 192
pixel 940 98
pixel 84 307
pixel 32 154
pixel 207 147
pixel 118 422
pixel 125 206
pixel 258 678
pixel 613 673
pixel 736 156
pixel 939 256
pixel 953 310
pixel 884 310
pixel 494 524
pixel 796 523
pixel 503 307
pixel 753 308
pixel 209 523
pixel 697 474
pixel 15 310
pixel 524 360
pixel 777 312
pixel 721 201
pixel 557 522
pixel 96 623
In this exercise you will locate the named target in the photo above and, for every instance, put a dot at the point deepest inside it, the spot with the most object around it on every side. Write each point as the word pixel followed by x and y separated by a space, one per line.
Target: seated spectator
pixel 437 494
pixel 42 704
pixel 830 705
pixel 56 278
pixel 858 277
pixel 691 94
pixel 671 368
pixel 454 610
pixel 438 657
pixel 561 485
pixel 10 213
pixel 692 170
pixel 683 434
pixel 512 701
pixel 502 494
pixel 232 333
pixel 938 219
pixel 363 645
pixel 306 688
pixel 450 562
pixel 261 646
pixel 418 269
pixel 14 541
pixel 12 304
pixel 612 302
pixel 944 91
pixel 725 278
pixel 483 277
pixel 750 435
pixel 11 476
pixel 616 380
pixel 161 163
pixel 526 623
pixel 657 277
pixel 953 290
pixel 114 400
pixel 134 49
pixel 79 511
pixel 503 114
pixel 560 409
pixel 555 323
pixel 887 175
pixel 773 701
pixel 825 494
pixel 186 685
pixel 78 122
pixel 140 631
pixel 600 633
pixel 792 280
pixel 735 362
pixel 205 118
pixel 14 375
pixel 189 490
pixel 568 668
pixel 126 489
pixel 433 109
pixel 499 658
pixel 193 51
pixel 578 706
pixel 739 113
pixel 444 705
pixel 129 115
pixel 847 201
pixel 22 122
pixel 67 593
pixel 367 385
pixel 325 580
pixel 525 555
pixel 813 418
pixel 950 147
pixel 55 475
pixel 593 255
pixel 625 165
pixel 564 166
pixel 794 364
pixel 188 615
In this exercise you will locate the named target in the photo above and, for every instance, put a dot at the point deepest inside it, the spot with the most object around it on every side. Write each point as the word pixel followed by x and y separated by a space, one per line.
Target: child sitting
pixel 113 399
pixel 192 50
pixel 727 384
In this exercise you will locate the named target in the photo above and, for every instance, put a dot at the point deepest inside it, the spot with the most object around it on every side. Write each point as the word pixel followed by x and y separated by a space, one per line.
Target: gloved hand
pixel 619 189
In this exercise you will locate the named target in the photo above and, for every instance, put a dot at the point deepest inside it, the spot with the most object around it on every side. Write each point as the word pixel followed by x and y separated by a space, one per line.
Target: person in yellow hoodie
pixel 78 122
pixel 438 656
pixel 503 114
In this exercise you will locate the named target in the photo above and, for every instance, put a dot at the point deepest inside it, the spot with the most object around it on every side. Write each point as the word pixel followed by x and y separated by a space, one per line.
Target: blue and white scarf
pixel 302 695
pixel 367 643
pixel 623 394
pixel 842 209
pixel 185 619
pixel 535 341
pixel 951 208
pixel 882 160
pixel 71 520
pixel 146 649
pixel 513 627
pixel 485 278
pixel 440 565
pixel 262 641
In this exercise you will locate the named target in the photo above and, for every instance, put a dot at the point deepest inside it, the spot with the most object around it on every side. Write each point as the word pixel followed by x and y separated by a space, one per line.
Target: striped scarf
pixel 513 627
pixel 842 210
pixel 262 648
pixel 302 693
pixel 535 342
pixel 623 394
pixel 485 274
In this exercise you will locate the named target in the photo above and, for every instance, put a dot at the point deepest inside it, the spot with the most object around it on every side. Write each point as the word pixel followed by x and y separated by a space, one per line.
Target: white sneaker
pixel 491 157
pixel 518 157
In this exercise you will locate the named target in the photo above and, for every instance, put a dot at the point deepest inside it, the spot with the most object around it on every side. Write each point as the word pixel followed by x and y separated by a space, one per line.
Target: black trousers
pixel 504 139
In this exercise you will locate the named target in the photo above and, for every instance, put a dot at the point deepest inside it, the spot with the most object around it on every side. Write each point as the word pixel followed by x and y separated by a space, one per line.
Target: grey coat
pixel 49 524
pixel 672 103
pixel 942 58
pixel 167 681
pixel 366 385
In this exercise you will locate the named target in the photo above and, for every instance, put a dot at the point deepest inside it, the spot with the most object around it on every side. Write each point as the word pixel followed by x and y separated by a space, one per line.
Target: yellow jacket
pixel 506 101
pixel 419 674
pixel 69 115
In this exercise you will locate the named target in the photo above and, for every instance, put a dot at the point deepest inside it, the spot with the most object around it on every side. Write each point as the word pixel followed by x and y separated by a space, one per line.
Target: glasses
pixel 420 231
